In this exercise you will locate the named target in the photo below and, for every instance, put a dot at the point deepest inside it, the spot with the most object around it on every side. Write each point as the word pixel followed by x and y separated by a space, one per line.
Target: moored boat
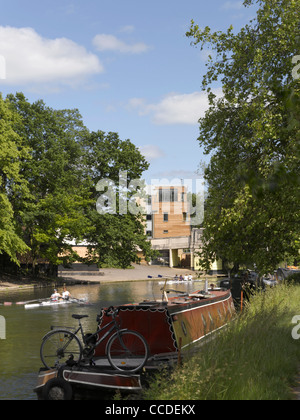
pixel 175 323
pixel 69 383
pixel 170 326
pixel 180 282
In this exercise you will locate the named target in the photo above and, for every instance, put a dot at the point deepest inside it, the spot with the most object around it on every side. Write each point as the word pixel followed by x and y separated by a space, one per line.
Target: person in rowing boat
pixel 55 297
pixel 66 295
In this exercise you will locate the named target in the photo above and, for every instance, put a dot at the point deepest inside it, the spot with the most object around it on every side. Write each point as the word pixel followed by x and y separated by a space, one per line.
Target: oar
pixel 80 301
pixel 30 301
pixel 155 277
pixel 176 291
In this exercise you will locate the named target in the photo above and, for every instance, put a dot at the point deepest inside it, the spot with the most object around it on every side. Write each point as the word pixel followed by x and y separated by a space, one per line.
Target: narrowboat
pixel 175 323
pixel 170 326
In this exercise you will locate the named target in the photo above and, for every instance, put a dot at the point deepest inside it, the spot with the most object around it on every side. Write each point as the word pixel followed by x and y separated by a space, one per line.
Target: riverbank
pixel 255 358
pixel 106 275
pixel 11 282
pixel 135 273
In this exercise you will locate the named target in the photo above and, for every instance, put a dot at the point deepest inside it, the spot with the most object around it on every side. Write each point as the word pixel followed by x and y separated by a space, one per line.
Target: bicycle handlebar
pixel 111 311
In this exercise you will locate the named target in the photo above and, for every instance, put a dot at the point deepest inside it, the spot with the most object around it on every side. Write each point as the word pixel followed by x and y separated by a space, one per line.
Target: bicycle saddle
pixel 79 316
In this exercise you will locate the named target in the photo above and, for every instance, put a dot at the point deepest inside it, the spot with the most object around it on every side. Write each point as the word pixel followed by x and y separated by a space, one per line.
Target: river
pixel 19 352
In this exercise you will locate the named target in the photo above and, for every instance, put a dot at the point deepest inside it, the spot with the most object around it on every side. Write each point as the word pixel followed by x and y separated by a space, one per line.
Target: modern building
pixel 169 228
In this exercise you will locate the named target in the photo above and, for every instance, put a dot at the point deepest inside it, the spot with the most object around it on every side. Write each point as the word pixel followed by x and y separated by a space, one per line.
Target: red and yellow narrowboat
pixel 176 323
pixel 170 327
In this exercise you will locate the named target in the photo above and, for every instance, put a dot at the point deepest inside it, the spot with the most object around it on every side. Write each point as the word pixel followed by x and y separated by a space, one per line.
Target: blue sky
pixel 125 64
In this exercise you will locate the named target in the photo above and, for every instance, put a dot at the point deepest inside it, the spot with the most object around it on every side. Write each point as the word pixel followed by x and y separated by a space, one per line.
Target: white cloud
pixel 151 152
pixel 233 5
pixel 127 29
pixel 106 42
pixel 32 59
pixel 174 108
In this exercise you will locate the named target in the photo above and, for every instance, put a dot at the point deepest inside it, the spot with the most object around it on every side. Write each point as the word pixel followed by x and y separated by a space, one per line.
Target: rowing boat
pixel 47 303
pixel 180 282
pixel 52 303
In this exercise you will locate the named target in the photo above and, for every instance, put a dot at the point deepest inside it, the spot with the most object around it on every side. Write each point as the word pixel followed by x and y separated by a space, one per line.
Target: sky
pixel 127 65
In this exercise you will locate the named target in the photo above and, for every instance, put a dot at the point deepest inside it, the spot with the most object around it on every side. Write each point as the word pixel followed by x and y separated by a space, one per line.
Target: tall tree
pixel 117 233
pixel 253 133
pixel 12 184
pixel 63 166
pixel 53 209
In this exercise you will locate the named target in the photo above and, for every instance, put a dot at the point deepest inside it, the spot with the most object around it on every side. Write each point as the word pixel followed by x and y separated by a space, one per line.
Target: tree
pixel 50 167
pixel 12 151
pixel 116 233
pixel 252 210
pixel 52 210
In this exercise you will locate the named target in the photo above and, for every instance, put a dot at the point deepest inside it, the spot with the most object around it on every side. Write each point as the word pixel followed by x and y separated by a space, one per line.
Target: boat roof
pixel 181 299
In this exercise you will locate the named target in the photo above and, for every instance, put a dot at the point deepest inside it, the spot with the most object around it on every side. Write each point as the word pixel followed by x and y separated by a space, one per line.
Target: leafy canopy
pixel 50 164
pixel 252 133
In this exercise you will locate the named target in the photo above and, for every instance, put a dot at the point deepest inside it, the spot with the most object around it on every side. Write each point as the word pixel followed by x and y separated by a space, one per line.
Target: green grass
pixel 255 358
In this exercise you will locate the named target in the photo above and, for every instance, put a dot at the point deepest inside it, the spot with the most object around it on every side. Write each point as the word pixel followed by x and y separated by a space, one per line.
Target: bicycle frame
pixel 85 347
pixel 114 327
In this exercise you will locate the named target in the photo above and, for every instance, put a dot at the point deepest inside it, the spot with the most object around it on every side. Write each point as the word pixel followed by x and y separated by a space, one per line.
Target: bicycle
pixel 125 350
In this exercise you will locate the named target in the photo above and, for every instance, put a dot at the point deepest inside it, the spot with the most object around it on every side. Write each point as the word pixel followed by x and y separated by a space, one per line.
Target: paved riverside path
pixel 110 275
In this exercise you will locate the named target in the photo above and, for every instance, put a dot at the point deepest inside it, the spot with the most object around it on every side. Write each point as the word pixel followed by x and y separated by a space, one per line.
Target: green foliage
pixel 52 210
pixel 115 238
pixel 12 184
pixel 49 168
pixel 253 133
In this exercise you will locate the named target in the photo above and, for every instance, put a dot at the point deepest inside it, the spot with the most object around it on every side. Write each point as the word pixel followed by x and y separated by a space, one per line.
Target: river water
pixel 19 352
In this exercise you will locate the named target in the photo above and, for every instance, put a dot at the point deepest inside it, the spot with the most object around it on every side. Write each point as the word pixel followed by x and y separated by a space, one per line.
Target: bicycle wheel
pixel 127 351
pixel 58 347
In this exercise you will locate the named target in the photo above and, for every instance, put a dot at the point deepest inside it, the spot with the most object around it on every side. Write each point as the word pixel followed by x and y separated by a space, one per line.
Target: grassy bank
pixel 255 358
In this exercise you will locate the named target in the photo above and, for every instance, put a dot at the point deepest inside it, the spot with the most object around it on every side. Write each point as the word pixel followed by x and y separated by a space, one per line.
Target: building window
pixel 184 216
pixel 166 217
pixel 166 231
pixel 149 217
pixel 149 233
pixel 167 195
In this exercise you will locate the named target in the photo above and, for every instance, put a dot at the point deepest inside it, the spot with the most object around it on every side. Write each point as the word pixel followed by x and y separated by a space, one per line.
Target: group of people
pixel 56 297
pixel 187 277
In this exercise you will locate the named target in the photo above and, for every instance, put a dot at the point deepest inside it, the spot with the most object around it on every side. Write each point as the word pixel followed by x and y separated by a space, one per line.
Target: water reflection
pixel 19 353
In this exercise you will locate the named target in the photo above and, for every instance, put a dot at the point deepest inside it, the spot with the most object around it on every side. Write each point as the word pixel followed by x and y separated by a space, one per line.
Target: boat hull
pixel 169 329
pixel 88 382
pixel 46 304
pixel 177 324
pixel 195 321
